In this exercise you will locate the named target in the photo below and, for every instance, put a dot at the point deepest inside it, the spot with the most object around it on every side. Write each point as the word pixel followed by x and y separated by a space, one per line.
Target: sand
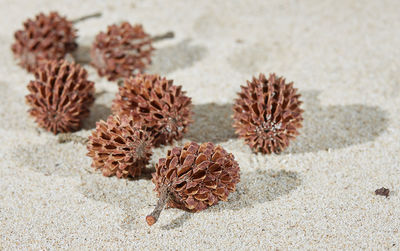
pixel 344 58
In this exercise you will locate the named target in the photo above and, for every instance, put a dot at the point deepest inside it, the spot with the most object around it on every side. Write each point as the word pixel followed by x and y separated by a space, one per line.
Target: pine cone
pixel 120 147
pixel 267 114
pixel 60 96
pixel 194 177
pixel 122 51
pixel 44 38
pixel 158 104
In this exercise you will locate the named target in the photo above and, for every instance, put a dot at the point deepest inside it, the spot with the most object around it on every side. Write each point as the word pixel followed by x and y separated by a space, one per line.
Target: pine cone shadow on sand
pixel 212 123
pixel 260 186
pixel 255 187
pixel 324 127
pixel 97 113
pixel 82 54
pixel 174 57
pixel 121 193
pixel 335 126
pixel 54 164
pixel 100 110
pixel 165 59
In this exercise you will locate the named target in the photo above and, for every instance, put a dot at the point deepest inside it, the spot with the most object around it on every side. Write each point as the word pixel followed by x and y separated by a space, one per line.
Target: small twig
pixel 149 170
pixel 77 20
pixel 68 137
pixel 147 173
pixel 382 191
pixel 164 197
pixel 166 35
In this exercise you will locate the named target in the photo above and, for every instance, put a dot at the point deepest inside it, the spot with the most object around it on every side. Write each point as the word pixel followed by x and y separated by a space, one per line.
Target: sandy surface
pixel 343 56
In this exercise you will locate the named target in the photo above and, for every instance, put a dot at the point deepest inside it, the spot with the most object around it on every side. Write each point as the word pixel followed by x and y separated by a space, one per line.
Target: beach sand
pixel 344 58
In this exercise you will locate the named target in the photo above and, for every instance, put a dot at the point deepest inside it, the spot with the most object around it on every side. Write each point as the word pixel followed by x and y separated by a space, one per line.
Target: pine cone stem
pixel 68 137
pixel 164 197
pixel 77 20
pixel 169 34
pixel 149 170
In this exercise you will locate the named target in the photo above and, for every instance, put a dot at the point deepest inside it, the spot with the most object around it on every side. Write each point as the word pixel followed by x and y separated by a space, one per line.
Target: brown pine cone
pixel 194 177
pixel 60 96
pixel 267 114
pixel 158 104
pixel 120 147
pixel 47 37
pixel 123 51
